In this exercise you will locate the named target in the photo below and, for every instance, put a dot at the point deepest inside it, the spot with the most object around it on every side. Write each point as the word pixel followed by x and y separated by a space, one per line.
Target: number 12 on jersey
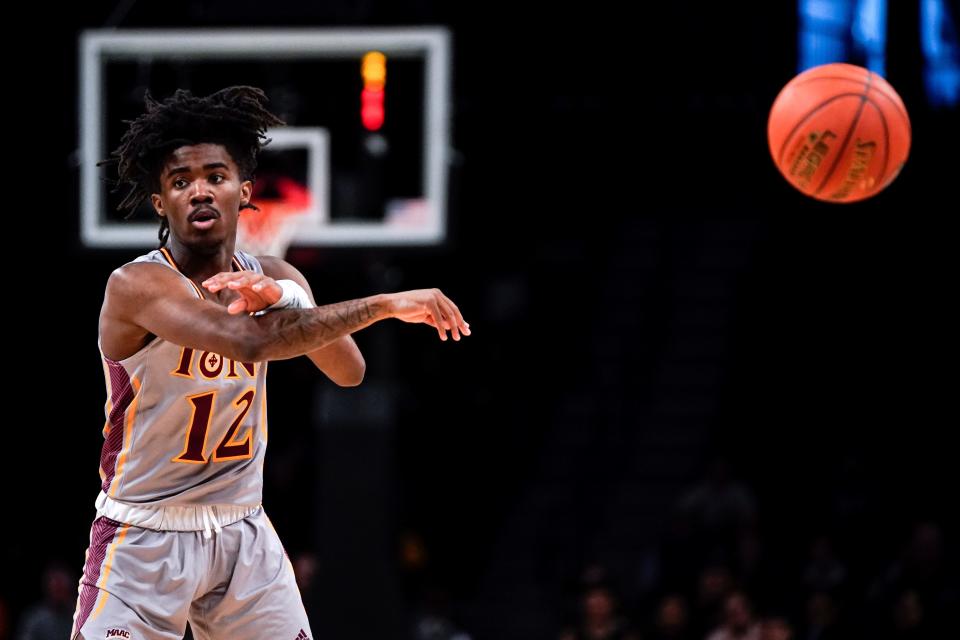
pixel 230 448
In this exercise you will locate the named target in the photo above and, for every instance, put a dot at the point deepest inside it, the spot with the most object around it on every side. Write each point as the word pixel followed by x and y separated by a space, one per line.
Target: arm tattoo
pixel 293 332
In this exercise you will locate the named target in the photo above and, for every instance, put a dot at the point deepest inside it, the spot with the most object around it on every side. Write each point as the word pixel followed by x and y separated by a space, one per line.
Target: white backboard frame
pixel 99 47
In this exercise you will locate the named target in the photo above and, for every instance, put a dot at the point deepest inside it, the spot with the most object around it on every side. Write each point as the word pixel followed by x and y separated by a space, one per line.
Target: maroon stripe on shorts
pixel 120 399
pixel 101 535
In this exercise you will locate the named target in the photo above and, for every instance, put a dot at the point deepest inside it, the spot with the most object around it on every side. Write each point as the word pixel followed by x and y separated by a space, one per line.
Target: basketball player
pixel 186 332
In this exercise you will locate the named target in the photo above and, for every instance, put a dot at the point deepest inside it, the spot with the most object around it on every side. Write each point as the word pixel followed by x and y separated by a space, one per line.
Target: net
pixel 270 230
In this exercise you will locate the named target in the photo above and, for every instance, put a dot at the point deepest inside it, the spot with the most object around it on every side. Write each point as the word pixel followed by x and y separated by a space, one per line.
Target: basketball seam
pixel 810 114
pixel 846 138
pixel 886 142
pixel 906 118
pixel 876 89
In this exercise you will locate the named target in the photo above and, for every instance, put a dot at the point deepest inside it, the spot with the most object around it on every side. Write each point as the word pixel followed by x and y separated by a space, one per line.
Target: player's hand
pixel 256 291
pixel 429 306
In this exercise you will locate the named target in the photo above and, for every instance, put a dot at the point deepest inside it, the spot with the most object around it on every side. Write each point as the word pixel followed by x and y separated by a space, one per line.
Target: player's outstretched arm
pixel 292 332
pixel 145 299
pixel 258 291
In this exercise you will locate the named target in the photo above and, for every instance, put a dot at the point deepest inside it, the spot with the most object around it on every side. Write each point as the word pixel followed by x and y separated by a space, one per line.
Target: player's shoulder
pixel 141 276
pixel 150 260
pixel 139 270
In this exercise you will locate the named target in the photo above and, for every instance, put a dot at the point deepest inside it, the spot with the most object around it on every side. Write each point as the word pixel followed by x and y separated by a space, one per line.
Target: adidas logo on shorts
pixel 118 633
pixel 302 635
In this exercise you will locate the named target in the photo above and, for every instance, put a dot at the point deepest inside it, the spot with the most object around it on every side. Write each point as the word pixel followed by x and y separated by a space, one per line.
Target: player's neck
pixel 198 265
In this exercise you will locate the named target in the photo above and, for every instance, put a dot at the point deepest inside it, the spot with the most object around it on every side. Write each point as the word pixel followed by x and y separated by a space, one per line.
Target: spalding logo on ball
pixel 839 133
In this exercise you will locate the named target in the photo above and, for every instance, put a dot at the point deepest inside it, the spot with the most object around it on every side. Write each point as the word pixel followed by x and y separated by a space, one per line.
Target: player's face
pixel 201 192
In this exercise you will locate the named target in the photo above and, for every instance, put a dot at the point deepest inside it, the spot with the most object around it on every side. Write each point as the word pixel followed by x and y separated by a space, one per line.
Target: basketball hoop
pixel 270 230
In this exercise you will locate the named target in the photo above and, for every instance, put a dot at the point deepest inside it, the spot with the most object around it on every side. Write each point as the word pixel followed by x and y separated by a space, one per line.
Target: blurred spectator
pixel 909 621
pixel 719 504
pixel 305 570
pixel 775 627
pixel 672 620
pixel 434 627
pixel 432 621
pixel 713 587
pixel 824 572
pixel 922 560
pixel 821 618
pixel 738 620
pixel 600 619
pixel 305 566
pixel 924 569
pixel 719 510
pixel 593 575
pixel 52 619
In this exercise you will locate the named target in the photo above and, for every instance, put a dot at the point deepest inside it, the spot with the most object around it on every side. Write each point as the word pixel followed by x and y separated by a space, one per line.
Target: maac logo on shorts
pixel 118 633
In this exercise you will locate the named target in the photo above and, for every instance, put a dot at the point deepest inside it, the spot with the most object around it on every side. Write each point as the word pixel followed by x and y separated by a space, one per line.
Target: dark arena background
pixel 696 403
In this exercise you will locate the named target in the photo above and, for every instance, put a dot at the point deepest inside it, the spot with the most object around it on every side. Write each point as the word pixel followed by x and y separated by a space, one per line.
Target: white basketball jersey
pixel 184 426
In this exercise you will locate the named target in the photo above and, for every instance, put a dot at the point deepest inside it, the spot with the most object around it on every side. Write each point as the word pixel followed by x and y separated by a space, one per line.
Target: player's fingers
pixel 438 319
pixel 215 278
pixel 243 280
pixel 249 297
pixel 227 275
pixel 237 306
pixel 219 281
pixel 450 320
pixel 267 288
pixel 213 283
pixel 462 324
pixel 260 284
pixel 441 301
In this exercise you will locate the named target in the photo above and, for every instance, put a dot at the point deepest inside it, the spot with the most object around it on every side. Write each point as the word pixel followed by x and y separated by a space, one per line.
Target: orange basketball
pixel 839 133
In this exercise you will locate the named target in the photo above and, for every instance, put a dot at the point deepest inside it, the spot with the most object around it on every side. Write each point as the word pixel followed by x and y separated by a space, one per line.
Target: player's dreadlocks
pixel 234 117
